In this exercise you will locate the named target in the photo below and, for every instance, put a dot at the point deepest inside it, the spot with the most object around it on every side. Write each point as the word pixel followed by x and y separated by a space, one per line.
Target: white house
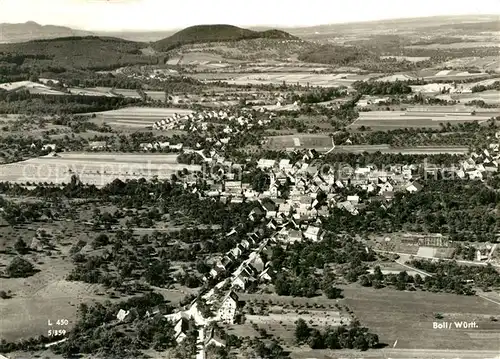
pixel 49 147
pixel 313 233
pixel 227 310
pixel 414 187
pixel 122 315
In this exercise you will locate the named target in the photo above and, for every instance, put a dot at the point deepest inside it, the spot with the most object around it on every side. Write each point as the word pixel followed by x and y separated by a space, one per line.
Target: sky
pixel 149 15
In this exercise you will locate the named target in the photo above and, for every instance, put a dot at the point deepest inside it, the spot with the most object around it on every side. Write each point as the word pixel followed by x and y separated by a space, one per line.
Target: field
pixel 323 143
pixel 407 317
pixel 428 117
pixel 435 75
pixel 490 97
pixel 31 87
pixel 283 312
pixel 457 45
pixel 155 95
pixel 406 58
pixel 344 79
pixel 93 168
pixel 138 117
pixel 491 63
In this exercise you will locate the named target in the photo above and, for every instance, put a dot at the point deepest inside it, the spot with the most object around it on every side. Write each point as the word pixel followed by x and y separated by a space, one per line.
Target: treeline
pixel 447 134
pixel 320 95
pixel 337 55
pixel 404 281
pixel 466 210
pixel 480 88
pixel 22 102
pixel 444 272
pixel 382 88
pixel 352 336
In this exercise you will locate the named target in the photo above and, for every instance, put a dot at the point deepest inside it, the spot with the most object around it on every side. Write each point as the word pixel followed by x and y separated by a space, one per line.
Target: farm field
pixel 298 141
pixel 155 95
pixel 490 97
pixel 31 87
pixel 322 143
pixel 491 63
pixel 434 75
pixel 138 117
pixel 428 117
pixel 93 168
pixel 326 80
pixel 408 318
pixel 457 45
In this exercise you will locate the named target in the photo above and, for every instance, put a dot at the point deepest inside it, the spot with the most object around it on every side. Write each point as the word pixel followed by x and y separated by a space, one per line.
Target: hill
pixel 216 33
pixel 32 31
pixel 68 53
pixel 472 22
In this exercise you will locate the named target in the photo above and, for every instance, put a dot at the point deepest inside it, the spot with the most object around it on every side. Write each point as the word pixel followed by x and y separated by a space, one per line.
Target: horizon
pixel 150 15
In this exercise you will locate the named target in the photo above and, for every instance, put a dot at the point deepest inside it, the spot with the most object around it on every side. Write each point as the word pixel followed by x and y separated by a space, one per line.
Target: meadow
pixel 93 168
pixel 138 117
pixel 422 117
pixel 407 317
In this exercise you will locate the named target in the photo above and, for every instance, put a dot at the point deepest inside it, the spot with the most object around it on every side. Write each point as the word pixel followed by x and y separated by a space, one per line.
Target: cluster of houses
pixel 312 189
pixel 200 121
pixel 478 165
pixel 149 146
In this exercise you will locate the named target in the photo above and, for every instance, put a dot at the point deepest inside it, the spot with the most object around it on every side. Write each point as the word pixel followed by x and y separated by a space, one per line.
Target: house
pixel 227 310
pixel 285 164
pixel 313 233
pixel 255 260
pixel 236 251
pixel 476 174
pixel 353 199
pixel 385 187
pixel 480 256
pixel 181 328
pixel 97 145
pixel 214 339
pixel 217 270
pixel 265 276
pixel 348 206
pixel 49 147
pixel 269 207
pixel 413 187
pixel 122 315
pixel 294 236
pixel 265 163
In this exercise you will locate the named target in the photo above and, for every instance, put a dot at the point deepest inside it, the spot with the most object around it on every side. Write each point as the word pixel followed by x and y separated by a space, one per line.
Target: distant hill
pixel 472 22
pixel 216 33
pixel 91 52
pixel 32 31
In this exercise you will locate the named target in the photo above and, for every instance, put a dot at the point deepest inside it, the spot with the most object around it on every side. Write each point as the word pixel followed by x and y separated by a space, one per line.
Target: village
pixel 313 187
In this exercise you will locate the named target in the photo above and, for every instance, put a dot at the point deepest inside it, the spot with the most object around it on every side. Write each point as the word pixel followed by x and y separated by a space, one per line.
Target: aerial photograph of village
pixel 234 179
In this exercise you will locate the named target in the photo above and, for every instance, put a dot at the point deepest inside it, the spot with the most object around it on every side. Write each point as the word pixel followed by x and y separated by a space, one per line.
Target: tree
pixel 377 273
pixel 365 281
pixel 100 241
pixel 21 246
pixel 332 292
pixel 302 331
pixel 20 268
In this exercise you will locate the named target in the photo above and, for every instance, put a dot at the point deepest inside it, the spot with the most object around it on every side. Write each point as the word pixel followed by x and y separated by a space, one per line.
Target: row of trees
pixel 23 102
pixel 352 336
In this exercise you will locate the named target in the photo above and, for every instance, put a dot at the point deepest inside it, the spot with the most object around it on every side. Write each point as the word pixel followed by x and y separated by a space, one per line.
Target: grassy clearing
pixel 93 168
pixel 408 318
